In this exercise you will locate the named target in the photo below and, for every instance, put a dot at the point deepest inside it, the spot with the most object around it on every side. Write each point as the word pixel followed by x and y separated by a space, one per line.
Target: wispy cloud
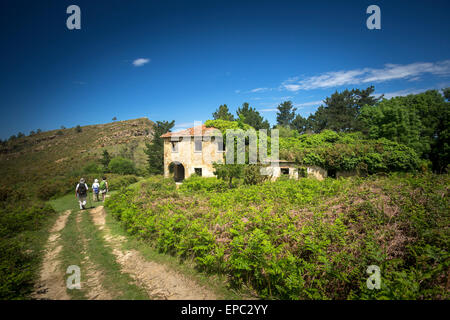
pixel 140 62
pixel 307 104
pixel 411 71
pixel 259 90
pixel 273 107
pixel 268 110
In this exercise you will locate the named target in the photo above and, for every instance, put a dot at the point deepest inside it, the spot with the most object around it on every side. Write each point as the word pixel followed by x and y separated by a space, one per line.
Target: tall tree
pixel 420 121
pixel 341 110
pixel 155 149
pixel 222 113
pixel 285 114
pixel 252 117
pixel 106 158
pixel 394 120
pixel 300 124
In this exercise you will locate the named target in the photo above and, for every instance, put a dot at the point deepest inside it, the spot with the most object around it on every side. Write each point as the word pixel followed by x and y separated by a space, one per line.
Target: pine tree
pixel 105 159
pixel 222 113
pixel 155 149
pixel 252 117
pixel 285 114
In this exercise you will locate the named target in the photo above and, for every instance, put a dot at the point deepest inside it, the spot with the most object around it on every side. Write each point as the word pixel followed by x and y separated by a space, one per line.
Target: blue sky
pixel 196 55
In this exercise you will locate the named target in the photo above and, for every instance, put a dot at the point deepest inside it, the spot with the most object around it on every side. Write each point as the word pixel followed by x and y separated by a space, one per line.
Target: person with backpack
pixel 81 193
pixel 104 188
pixel 96 190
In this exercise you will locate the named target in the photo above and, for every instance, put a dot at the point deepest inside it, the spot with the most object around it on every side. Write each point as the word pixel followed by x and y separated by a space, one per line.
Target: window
pixel 285 171
pixel 198 145
pixel 220 145
pixel 174 146
pixel 198 171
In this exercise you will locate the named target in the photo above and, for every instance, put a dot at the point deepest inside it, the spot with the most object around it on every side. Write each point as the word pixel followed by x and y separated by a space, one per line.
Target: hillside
pixel 60 153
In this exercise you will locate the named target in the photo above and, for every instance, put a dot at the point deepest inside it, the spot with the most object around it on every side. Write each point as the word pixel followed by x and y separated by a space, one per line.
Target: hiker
pixel 96 190
pixel 104 188
pixel 81 193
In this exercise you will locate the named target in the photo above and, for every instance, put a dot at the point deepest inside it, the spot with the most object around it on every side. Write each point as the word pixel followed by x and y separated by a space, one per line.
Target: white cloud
pixel 272 107
pixel 259 90
pixel 411 71
pixel 268 110
pixel 307 104
pixel 140 62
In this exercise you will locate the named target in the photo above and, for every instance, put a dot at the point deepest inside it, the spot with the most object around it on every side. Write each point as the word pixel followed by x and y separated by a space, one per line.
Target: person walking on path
pixel 104 188
pixel 81 193
pixel 95 190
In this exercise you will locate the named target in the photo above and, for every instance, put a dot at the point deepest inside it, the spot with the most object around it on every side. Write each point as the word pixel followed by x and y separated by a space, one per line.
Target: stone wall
pixel 346 174
pixel 190 159
pixel 316 172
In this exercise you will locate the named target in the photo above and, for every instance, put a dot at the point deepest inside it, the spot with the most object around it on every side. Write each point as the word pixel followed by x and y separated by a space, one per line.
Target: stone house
pixel 190 151
pixel 194 150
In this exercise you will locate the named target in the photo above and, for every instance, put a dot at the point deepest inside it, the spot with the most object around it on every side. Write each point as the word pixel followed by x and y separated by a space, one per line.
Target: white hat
pixel 82 180
pixel 96 180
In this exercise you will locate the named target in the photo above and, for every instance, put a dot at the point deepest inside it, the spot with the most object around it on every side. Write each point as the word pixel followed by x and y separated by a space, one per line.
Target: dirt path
pixel 93 276
pixel 51 284
pixel 159 281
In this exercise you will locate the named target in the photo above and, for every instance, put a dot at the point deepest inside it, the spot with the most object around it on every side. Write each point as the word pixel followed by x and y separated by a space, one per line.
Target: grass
pixel 71 254
pixel 118 284
pixel 35 241
pixel 70 202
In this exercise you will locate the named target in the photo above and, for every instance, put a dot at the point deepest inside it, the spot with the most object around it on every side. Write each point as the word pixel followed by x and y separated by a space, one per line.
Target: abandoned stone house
pixel 190 151
pixel 194 150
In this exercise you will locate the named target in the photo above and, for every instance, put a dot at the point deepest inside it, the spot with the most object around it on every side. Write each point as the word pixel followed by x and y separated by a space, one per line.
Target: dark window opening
pixel 198 171
pixel 198 145
pixel 220 145
pixel 331 173
pixel 285 171
pixel 174 146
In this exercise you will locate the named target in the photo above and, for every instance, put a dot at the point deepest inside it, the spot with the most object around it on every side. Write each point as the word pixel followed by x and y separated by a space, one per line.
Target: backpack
pixel 82 191
pixel 103 185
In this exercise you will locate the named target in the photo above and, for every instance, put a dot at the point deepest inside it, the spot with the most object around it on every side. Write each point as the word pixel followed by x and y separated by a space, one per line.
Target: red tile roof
pixel 205 131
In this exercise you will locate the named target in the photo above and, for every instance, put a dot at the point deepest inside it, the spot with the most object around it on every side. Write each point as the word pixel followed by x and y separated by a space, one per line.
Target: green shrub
pixel 92 168
pixel 252 174
pixel 196 183
pixel 122 166
pixel 349 151
pixel 17 262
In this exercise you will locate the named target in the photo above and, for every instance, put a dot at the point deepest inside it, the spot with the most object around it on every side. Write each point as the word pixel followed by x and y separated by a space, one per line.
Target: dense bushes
pixel 122 166
pixel 195 183
pixel 303 239
pixel 18 217
pixel 349 151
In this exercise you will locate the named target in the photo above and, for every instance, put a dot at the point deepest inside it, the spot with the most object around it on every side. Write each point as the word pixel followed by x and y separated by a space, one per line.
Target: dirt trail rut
pixel 158 280
pixel 51 284
pixel 93 277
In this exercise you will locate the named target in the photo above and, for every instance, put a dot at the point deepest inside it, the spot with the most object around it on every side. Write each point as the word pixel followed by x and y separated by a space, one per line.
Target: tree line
pixel 419 121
